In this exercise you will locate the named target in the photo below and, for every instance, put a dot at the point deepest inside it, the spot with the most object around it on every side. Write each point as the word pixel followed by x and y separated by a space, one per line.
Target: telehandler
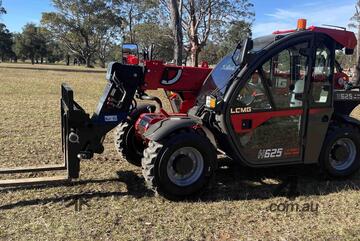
pixel 275 100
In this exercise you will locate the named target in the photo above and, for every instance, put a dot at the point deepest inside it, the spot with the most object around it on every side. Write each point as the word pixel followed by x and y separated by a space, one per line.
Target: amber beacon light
pixel 301 24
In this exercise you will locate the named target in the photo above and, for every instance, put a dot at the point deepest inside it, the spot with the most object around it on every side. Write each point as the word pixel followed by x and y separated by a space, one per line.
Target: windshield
pixel 218 79
pixel 217 82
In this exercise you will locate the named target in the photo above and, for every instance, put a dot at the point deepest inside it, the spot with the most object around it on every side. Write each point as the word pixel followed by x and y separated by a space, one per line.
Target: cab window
pixel 285 74
pixel 321 77
pixel 253 94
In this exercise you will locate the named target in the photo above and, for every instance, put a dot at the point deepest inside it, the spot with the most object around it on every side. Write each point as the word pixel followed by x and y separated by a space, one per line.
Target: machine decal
pixel 239 110
pixel 292 152
pixel 173 80
pixel 111 118
pixel 270 153
pixel 347 95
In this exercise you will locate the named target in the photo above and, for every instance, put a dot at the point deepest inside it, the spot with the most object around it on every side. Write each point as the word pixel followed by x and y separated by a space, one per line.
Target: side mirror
pixel 129 50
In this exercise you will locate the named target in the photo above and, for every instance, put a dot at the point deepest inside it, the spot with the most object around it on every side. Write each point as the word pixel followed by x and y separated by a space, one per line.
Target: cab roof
pixel 345 38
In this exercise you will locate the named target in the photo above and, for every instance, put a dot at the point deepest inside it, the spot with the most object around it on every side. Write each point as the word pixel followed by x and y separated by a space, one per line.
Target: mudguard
pixel 346 119
pixel 167 126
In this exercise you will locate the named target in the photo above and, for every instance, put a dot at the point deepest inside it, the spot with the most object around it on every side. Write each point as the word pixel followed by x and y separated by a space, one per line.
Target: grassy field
pixel 114 203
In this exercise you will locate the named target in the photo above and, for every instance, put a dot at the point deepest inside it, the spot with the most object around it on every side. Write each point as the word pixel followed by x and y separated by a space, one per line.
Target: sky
pixel 271 15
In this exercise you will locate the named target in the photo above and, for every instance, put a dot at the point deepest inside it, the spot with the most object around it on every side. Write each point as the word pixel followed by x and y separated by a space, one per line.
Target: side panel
pixel 269 137
pixel 318 122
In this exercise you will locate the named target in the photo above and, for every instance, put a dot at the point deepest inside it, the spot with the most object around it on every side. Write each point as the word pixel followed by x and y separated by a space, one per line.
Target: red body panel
pixel 146 120
pixel 183 81
pixel 174 78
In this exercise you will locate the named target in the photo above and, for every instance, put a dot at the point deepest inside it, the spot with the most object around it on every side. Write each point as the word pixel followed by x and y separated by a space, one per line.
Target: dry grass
pixel 115 203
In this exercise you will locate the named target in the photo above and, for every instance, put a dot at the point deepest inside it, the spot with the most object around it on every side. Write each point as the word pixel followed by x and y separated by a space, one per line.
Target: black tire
pixel 340 156
pixel 127 145
pixel 160 158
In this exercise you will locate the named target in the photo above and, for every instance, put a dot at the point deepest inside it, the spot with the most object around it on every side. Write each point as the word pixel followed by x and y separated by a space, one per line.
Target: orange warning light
pixel 301 24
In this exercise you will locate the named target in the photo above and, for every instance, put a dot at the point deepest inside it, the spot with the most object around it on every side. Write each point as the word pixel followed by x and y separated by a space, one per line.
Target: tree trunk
pixel 195 50
pixel 194 38
pixel 102 62
pixel 356 78
pixel 32 60
pixel 88 61
pixel 357 68
pixel 177 31
pixel 67 60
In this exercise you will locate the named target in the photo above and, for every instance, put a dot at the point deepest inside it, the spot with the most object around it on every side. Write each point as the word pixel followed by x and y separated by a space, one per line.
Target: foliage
pixel 91 31
pixel 355 23
pixel 31 43
pixel 151 33
pixel 204 19
pixel 82 25
pixel 6 43
pixel 2 9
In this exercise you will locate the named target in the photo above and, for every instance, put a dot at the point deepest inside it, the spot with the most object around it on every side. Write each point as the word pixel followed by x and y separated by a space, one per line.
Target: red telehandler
pixel 276 100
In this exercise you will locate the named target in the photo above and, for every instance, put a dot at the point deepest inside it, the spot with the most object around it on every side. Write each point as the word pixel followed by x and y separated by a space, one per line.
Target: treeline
pixel 90 32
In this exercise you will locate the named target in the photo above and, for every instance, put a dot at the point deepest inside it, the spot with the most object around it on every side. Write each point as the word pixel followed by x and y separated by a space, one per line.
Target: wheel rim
pixel 343 153
pixel 185 166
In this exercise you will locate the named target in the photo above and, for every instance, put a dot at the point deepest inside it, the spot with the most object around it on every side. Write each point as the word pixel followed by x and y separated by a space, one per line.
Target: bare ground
pixel 114 203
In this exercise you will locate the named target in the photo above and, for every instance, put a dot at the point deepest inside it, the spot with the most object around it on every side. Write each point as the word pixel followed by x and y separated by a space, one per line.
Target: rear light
pixel 301 24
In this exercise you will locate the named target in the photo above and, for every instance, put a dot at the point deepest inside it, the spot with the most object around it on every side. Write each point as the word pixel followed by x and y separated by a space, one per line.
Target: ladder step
pixel 32 169
pixel 33 181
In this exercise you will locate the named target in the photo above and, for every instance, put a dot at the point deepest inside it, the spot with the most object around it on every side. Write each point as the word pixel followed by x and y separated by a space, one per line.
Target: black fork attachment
pixel 82 135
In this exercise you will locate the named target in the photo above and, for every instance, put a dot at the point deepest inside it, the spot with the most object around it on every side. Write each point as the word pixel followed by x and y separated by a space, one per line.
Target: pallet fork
pixel 82 135
pixel 71 164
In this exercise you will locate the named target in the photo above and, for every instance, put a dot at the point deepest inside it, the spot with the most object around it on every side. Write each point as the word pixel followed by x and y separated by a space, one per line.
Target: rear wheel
pixel 341 151
pixel 180 166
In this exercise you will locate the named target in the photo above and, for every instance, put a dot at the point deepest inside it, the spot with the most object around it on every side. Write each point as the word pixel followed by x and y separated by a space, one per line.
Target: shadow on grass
pixel 232 182
pixel 135 187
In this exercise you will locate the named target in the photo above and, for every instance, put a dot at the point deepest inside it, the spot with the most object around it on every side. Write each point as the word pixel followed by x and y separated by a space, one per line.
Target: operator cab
pixel 273 97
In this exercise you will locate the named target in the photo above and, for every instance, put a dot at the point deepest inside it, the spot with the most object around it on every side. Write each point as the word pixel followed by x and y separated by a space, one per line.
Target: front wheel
pixel 180 166
pixel 340 156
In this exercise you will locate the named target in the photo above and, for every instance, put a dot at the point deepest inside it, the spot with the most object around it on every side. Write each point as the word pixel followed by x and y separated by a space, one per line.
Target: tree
pixel 356 24
pixel 2 9
pixel 6 43
pixel 134 12
pixel 176 25
pixel 81 25
pixel 31 43
pixel 149 34
pixel 18 47
pixel 202 18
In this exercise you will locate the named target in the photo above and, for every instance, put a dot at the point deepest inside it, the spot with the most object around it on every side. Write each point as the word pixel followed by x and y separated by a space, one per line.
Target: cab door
pixel 320 97
pixel 267 109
